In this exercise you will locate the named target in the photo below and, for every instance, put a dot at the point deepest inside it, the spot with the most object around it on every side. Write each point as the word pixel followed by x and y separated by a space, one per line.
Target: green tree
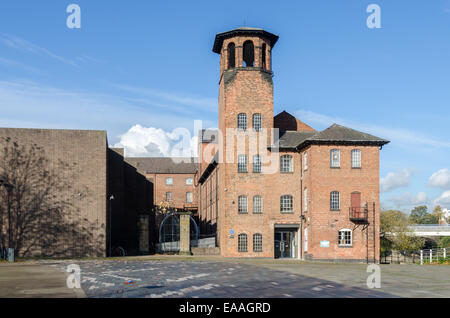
pixel 417 214
pixel 430 219
pixel 438 213
pixel 395 233
pixel 444 242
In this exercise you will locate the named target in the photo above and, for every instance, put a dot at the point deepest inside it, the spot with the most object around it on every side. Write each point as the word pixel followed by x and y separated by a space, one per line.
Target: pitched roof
pixel 286 121
pixel 291 139
pixel 340 134
pixel 182 165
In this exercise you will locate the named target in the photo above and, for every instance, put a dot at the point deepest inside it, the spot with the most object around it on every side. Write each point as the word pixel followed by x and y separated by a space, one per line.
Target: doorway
pixel 285 243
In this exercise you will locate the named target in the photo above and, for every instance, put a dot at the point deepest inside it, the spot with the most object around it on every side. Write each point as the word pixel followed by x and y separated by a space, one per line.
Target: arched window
pixel 242 243
pixel 263 56
pixel 242 121
pixel 249 54
pixel 335 158
pixel 345 237
pixel 256 164
pixel 231 55
pixel 242 204
pixel 286 204
pixel 257 122
pixel 242 163
pixel 257 204
pixel 257 242
pixel 286 164
pixel 334 201
pixel 356 158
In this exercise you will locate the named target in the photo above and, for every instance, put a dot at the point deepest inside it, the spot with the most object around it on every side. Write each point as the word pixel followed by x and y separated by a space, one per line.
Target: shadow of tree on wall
pixel 39 213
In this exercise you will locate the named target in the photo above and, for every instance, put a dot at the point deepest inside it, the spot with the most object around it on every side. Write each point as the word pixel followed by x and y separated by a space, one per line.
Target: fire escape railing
pixel 359 214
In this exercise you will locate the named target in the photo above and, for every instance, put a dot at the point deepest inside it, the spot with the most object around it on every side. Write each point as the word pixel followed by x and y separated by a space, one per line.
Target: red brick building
pixel 172 178
pixel 273 186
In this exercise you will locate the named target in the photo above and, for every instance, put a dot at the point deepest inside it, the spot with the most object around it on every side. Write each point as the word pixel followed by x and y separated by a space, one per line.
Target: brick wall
pixel 84 220
pixel 324 224
pixel 133 197
pixel 179 188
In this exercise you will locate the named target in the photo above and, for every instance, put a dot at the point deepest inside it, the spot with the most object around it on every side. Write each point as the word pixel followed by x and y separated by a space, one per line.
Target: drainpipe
pixel 301 206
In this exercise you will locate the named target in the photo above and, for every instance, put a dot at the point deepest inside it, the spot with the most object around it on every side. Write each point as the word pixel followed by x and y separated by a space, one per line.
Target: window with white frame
pixel 257 204
pixel 169 181
pixel 257 122
pixel 305 156
pixel 356 158
pixel 286 204
pixel 242 121
pixel 306 199
pixel 257 164
pixel 286 164
pixel 334 201
pixel 189 181
pixel 257 242
pixel 242 163
pixel 169 196
pixel 242 204
pixel 335 158
pixel 345 237
pixel 242 243
pixel 189 197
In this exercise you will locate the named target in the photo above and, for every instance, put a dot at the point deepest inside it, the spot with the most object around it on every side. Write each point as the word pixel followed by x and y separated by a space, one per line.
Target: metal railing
pixel 359 213
pixel 434 255
pixel 420 257
pixel 430 227
pixel 400 257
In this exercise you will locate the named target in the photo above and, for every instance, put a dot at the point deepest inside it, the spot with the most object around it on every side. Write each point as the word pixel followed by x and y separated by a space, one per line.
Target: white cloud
pixel 409 200
pixel 440 179
pixel 141 141
pixel 26 46
pixel 395 180
pixel 402 137
pixel 443 200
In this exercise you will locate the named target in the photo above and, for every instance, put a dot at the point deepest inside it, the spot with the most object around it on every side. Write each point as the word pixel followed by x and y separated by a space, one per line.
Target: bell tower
pixel 245 111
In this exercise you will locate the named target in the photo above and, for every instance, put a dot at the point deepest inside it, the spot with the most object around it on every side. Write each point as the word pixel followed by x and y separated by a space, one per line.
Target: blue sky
pixel 143 68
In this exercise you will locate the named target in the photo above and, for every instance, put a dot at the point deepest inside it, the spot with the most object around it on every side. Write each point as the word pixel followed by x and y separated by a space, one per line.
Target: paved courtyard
pixel 175 278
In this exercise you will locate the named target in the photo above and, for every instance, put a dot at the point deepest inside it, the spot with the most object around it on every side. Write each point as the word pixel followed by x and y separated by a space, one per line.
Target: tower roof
pixel 220 37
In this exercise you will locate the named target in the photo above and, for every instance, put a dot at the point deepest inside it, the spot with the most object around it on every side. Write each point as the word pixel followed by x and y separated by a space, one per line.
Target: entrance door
pixel 356 200
pixel 284 243
pixel 356 204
